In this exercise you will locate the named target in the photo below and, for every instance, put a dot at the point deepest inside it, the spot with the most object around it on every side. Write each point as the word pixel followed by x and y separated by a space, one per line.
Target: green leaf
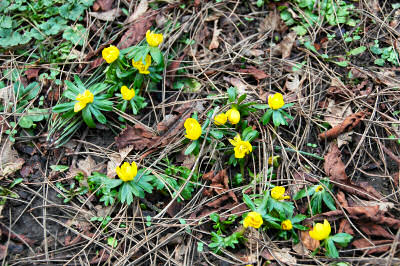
pixel 156 55
pixel 251 136
pixel 63 107
pixel 303 193
pixel 329 201
pixel 232 94
pixel 260 106
pixel 249 202
pixel 191 148
pixel 267 116
pixel 97 114
pixel 59 168
pixel 331 250
pixel 379 62
pixel 200 246
pixel 87 117
pixel 112 242
pixel 25 122
pixel 75 34
pixel 342 238
pixel 241 98
pixel 125 193
pixel 342 63
pixel 217 134
pixel 300 30
pixel 32 90
pixel 298 218
pixel 357 51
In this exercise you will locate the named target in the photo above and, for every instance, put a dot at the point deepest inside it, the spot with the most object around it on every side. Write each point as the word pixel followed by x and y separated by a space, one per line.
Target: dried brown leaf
pixel 104 5
pixel 32 73
pixel 308 242
pixel 214 41
pixel 255 72
pixel 347 125
pixel 139 11
pixel 138 136
pixel 333 166
pixel 109 15
pixel 9 160
pixel 284 256
pixel 137 30
pixel 116 159
pixel 364 243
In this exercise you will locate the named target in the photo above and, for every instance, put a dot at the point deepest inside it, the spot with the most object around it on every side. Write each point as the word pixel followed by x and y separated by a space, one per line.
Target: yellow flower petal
pixel 276 101
pixel 127 94
pixel 253 219
pixel 286 225
pixel 79 106
pixel 154 39
pixel 193 129
pixel 220 119
pixel 278 193
pixel 321 231
pixel 126 172
pixel 110 54
pixel 233 116
pixel 143 68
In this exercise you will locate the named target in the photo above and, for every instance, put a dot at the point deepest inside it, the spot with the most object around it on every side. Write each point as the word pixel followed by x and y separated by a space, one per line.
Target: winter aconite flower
pixel 110 54
pixel 278 193
pixel 276 101
pixel 233 116
pixel 220 119
pixel 319 189
pixel 286 225
pixel 127 172
pixel 193 129
pixel 253 219
pixel 154 39
pixel 143 68
pixel 321 231
pixel 127 94
pixel 241 147
pixel 83 100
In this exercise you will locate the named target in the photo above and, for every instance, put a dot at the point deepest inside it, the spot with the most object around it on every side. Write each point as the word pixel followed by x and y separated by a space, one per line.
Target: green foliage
pixel 277 116
pixel 220 226
pixel 72 192
pixel 219 242
pixel 100 102
pixel 50 18
pixel 387 54
pixel 318 197
pixel 175 177
pixel 104 220
pixel 343 239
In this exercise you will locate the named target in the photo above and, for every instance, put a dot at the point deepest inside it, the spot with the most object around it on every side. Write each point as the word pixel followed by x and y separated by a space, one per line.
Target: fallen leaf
pixel 116 159
pixel 284 48
pixel 383 206
pixel 139 11
pixel 214 41
pixel 255 72
pixel 375 230
pixel 104 5
pixel 219 185
pixel 284 256
pixel 9 160
pixel 347 125
pixel 3 252
pixel 253 52
pixel 271 22
pixel 173 67
pixel 32 73
pixel 308 242
pixel 336 113
pixel 363 243
pixel 345 227
pixel 333 166
pixel 344 138
pixel 101 256
pixel 137 30
pixel 109 15
pixel 240 85
pixel 138 136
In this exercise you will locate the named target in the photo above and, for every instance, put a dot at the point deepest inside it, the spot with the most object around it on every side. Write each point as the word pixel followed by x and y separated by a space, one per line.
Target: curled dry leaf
pixel 348 124
pixel 364 243
pixel 284 48
pixel 139 11
pixel 9 160
pixel 308 242
pixel 32 73
pixel 138 136
pixel 137 30
pixel 336 113
pixel 214 41
pixel 219 185
pixel 284 256
pixel 104 5
pixel 109 15
pixel 271 22
pixel 255 72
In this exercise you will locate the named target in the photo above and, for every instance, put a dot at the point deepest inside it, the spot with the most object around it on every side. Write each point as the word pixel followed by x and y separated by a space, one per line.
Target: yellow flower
pixel 127 172
pixel 110 54
pixel 275 101
pixel 193 129
pixel 321 231
pixel 83 100
pixel 220 119
pixel 319 189
pixel 127 94
pixel 154 39
pixel 143 68
pixel 253 219
pixel 286 225
pixel 233 116
pixel 278 193
pixel 241 147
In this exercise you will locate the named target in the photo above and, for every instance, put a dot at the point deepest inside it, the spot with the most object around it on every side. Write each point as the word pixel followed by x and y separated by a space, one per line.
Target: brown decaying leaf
pixel 137 30
pixel 104 5
pixel 308 242
pixel 335 114
pixel 173 67
pixel 335 169
pixel 142 138
pixel 271 22
pixel 9 161
pixel 102 256
pixel 219 185
pixel 348 124
pixel 116 159
pixel 372 229
pixel 255 72
pixel 345 227
pixel 283 255
pixel 363 243
pixel 214 41
pixel 139 11
pixel 285 47
pixel 109 15
pixel 32 73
